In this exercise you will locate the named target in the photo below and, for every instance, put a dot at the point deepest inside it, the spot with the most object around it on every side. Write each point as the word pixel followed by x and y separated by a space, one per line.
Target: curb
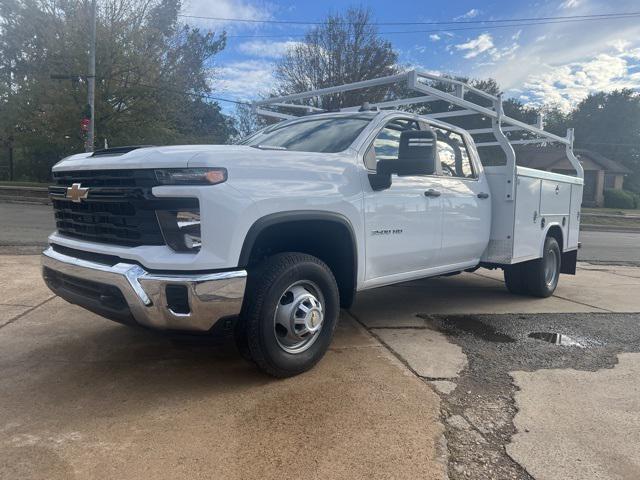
pixel 25 200
pixel 608 228
pixel 18 194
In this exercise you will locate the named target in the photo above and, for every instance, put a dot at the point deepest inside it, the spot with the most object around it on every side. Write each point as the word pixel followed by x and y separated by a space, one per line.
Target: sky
pixel 538 64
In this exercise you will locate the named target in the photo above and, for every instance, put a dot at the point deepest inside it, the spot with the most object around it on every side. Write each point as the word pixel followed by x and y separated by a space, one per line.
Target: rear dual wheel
pixel 539 277
pixel 290 313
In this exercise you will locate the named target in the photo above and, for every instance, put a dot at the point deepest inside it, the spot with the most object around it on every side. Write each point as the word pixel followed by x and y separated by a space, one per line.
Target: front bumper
pixel 128 293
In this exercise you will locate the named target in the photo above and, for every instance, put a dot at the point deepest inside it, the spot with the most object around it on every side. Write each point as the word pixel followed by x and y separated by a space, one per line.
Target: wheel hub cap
pixel 299 317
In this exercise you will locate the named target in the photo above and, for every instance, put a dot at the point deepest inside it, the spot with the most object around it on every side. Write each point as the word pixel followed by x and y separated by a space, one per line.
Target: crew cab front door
pixel 403 224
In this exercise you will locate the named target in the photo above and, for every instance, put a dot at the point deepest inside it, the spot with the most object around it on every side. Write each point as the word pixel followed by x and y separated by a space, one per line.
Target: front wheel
pixel 290 313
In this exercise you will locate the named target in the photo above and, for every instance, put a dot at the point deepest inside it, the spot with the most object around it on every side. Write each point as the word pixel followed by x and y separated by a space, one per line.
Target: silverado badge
pixel 76 193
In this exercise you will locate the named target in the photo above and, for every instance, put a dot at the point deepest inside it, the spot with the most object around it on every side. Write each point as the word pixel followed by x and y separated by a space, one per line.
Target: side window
pixel 387 143
pixel 453 154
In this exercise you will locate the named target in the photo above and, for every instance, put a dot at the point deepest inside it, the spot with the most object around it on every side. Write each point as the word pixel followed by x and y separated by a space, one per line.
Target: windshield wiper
pixel 268 147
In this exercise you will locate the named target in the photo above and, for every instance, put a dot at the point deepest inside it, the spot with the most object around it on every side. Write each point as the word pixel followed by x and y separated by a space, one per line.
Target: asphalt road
pixel 609 247
pixel 29 225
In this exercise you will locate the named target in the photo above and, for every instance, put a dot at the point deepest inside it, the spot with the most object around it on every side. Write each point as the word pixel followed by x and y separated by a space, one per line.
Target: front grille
pixel 119 209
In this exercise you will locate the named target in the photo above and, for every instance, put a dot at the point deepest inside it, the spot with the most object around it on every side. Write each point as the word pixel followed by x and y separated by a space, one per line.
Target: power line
pixel 192 94
pixel 488 27
pixel 453 22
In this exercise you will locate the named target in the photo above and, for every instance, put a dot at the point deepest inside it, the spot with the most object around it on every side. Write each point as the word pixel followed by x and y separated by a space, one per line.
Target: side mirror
pixel 416 156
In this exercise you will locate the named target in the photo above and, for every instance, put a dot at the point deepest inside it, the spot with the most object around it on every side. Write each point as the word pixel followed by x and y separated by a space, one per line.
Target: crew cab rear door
pixel 466 202
pixel 403 223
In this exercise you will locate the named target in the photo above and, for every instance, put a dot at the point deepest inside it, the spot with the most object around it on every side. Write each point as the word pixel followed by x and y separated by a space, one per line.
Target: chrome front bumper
pixel 211 296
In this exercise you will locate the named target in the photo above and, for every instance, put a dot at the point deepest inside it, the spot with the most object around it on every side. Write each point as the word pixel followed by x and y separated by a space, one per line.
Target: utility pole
pixel 91 78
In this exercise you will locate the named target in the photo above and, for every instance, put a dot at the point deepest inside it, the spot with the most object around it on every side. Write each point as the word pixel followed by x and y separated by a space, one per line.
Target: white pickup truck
pixel 272 236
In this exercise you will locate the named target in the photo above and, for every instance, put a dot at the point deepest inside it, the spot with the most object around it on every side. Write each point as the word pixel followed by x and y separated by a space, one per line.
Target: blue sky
pixel 539 64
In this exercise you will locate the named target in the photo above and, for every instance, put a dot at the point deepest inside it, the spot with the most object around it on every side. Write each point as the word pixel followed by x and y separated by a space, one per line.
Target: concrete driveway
pixel 420 382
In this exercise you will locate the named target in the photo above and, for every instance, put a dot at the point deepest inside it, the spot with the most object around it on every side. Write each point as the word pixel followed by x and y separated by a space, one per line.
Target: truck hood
pixel 177 156
pixel 181 156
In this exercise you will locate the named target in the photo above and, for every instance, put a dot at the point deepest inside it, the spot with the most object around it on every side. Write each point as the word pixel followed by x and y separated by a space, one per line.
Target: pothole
pixel 556 339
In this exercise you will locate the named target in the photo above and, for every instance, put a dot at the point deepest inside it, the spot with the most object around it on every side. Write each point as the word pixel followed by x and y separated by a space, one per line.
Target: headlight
pixel 191 176
pixel 181 229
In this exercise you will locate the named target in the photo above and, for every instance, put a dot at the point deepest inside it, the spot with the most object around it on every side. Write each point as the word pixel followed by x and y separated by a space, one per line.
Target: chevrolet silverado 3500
pixel 275 234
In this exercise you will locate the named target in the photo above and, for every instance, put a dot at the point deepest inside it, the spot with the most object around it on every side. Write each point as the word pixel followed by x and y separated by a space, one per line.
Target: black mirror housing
pixel 416 156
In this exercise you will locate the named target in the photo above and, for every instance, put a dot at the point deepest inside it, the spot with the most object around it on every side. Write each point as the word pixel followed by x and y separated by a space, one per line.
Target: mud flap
pixel 569 261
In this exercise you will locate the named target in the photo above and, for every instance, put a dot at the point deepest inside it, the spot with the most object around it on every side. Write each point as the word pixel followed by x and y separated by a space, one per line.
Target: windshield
pixel 323 135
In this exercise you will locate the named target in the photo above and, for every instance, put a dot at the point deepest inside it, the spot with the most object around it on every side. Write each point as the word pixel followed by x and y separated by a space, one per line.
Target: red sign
pixel 84 124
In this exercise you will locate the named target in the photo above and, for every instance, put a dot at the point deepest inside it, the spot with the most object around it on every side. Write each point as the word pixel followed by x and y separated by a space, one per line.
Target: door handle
pixel 432 193
pixel 483 195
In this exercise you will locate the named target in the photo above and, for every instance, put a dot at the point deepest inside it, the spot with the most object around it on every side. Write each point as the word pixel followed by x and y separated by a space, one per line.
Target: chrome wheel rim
pixel 550 268
pixel 299 317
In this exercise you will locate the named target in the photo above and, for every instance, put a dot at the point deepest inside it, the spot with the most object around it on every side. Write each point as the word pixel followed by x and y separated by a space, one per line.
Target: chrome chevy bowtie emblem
pixel 76 193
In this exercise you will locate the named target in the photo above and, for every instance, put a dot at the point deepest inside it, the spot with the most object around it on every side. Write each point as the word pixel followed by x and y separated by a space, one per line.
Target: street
pixel 27 225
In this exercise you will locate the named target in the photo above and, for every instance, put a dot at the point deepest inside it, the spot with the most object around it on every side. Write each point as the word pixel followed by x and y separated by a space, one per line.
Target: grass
pixel 611 211
pixel 611 216
pixel 23 184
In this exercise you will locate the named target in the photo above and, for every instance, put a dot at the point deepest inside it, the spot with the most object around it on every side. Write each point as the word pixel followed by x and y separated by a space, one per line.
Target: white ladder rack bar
pixel 396 103
pixel 453 81
pixel 516 142
pixel 307 108
pixel 500 122
pixel 269 113
pixel 343 88
pixel 479 131
pixel 452 113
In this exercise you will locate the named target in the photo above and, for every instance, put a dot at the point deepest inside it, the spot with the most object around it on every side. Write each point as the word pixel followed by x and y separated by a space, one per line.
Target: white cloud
pixel 620 44
pixel 504 52
pixel 474 12
pixel 261 48
pixel 570 4
pixel 245 79
pixel 566 85
pixel 434 37
pixel 224 9
pixel 476 46
pixel 516 35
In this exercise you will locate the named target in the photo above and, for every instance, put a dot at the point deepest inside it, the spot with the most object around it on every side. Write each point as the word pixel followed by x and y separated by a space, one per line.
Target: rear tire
pixel 539 277
pixel 514 278
pixel 543 273
pixel 290 313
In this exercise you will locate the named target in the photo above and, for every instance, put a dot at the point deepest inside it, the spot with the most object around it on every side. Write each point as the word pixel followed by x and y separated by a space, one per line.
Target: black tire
pixel 530 278
pixel 542 274
pixel 266 288
pixel 514 278
pixel 241 340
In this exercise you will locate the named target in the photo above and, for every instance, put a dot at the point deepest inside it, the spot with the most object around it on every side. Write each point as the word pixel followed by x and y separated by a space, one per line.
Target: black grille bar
pixel 119 209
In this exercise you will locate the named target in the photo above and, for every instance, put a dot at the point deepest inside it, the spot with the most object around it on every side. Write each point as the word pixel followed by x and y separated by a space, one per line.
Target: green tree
pixel 609 123
pixel 151 78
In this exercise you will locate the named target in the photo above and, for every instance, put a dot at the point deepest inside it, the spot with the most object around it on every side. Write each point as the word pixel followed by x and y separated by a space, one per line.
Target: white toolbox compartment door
pixel 527 233
pixel 555 199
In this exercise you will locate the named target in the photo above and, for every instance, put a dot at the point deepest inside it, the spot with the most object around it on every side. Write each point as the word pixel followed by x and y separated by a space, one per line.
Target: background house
pixel 600 172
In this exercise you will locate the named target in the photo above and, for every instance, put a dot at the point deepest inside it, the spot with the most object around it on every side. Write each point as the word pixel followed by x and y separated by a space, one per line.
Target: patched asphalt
pixel 482 405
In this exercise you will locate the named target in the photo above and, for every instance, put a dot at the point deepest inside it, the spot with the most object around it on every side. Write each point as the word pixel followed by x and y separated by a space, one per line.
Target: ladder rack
pixel 417 81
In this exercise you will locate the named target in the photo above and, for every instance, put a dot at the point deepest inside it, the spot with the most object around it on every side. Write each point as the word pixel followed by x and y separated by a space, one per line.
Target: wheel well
pixel 556 232
pixel 329 240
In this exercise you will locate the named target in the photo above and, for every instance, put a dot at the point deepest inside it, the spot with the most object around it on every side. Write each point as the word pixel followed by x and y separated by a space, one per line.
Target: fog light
pixel 181 229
